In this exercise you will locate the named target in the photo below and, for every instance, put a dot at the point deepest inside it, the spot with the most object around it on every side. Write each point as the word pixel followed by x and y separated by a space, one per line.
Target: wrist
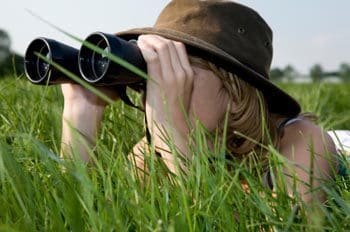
pixel 82 106
pixel 83 116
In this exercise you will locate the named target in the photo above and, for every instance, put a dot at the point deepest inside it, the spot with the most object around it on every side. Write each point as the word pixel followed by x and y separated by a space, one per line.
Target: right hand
pixel 75 93
pixel 83 111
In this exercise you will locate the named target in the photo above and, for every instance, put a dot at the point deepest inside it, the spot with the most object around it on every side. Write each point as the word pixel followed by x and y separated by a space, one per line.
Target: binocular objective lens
pixel 100 61
pixel 42 66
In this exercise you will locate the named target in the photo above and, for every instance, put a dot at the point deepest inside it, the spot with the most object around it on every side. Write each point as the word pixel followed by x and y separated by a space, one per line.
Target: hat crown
pixel 236 29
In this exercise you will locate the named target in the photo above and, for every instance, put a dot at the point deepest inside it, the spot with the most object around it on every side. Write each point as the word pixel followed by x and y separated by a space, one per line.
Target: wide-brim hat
pixel 231 35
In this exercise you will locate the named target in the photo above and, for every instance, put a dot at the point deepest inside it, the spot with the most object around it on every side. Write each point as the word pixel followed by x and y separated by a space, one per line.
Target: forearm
pixel 80 125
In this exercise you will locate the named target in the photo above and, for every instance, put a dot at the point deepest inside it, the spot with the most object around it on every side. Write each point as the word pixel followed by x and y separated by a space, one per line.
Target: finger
pixel 151 57
pixel 184 59
pixel 148 52
pixel 162 49
pixel 179 72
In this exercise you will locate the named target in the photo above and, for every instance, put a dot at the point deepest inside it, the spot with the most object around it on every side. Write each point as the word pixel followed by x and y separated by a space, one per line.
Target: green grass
pixel 39 192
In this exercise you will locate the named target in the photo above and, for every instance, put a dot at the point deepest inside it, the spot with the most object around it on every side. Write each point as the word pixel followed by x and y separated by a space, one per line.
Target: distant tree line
pixel 316 73
pixel 10 62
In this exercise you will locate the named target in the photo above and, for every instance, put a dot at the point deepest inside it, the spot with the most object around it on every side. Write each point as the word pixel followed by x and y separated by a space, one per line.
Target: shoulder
pixel 303 140
pixel 305 132
pixel 313 158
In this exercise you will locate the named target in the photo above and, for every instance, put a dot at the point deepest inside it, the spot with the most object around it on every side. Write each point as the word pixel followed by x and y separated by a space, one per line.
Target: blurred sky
pixel 305 31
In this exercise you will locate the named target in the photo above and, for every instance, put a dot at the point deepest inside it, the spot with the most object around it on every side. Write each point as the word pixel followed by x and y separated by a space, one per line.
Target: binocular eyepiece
pixel 93 65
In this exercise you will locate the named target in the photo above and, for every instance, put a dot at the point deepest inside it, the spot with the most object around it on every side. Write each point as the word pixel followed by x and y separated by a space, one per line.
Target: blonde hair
pixel 250 125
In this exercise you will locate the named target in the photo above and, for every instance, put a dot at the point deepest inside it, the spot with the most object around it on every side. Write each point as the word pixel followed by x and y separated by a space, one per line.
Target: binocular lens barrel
pixel 94 67
pixel 98 69
pixel 38 71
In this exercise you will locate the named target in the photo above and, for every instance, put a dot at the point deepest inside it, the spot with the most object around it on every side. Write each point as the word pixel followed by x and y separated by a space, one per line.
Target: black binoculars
pixel 94 67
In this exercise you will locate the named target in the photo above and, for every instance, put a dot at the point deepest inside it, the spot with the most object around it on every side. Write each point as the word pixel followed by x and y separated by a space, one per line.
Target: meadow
pixel 40 192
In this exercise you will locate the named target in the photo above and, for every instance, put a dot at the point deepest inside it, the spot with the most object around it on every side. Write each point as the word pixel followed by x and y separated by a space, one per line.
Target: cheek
pixel 210 115
pixel 209 105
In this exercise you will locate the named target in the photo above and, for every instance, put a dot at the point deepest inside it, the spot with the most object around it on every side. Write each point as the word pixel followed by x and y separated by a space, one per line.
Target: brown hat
pixel 228 34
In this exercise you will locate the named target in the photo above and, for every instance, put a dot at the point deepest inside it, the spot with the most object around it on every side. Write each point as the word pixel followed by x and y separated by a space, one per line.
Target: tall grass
pixel 40 192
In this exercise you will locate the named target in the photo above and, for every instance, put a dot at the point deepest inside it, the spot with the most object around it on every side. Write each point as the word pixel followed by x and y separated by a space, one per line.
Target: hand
pixel 168 92
pixel 83 112
pixel 74 93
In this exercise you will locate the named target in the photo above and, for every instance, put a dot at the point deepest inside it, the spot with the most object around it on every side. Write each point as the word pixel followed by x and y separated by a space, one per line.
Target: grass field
pixel 39 192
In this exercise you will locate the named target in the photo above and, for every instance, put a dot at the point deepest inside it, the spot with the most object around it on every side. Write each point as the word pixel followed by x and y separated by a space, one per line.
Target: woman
pixel 231 76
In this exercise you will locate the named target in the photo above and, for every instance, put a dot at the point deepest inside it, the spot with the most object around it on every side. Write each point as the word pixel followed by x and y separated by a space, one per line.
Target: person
pixel 208 60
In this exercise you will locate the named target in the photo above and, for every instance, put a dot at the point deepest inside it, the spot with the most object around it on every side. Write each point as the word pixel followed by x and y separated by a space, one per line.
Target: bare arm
pixel 312 153
pixel 82 115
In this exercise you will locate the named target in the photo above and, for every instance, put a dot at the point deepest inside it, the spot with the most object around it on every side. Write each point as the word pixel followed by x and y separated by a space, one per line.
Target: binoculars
pixel 94 67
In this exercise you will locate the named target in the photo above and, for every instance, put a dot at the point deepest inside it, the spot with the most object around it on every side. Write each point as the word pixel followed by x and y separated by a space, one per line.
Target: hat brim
pixel 278 101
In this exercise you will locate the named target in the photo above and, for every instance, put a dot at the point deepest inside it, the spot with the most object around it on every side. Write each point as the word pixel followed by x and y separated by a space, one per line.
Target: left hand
pixel 169 91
